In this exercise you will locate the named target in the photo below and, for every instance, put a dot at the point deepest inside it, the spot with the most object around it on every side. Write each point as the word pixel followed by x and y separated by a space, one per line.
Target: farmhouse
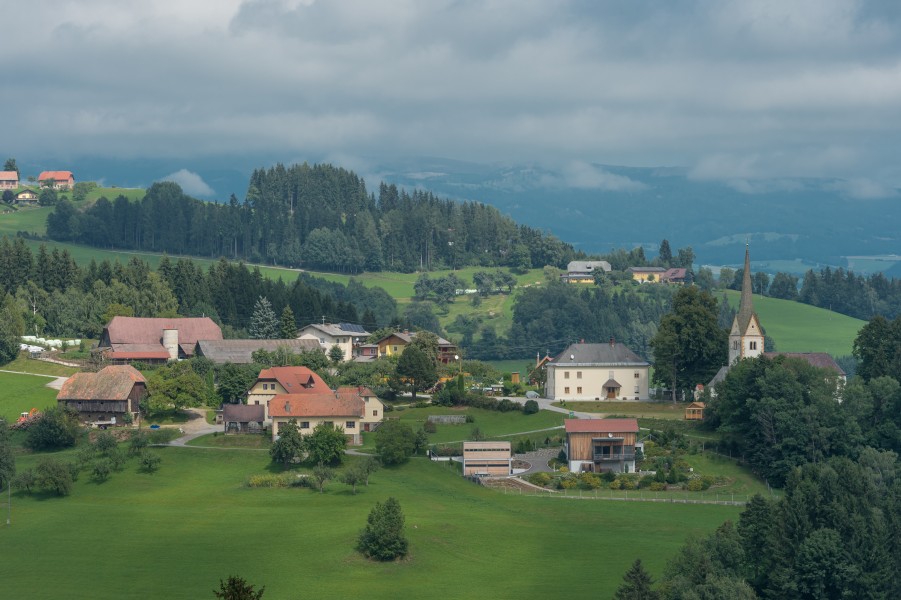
pixel 241 351
pixel 9 180
pixel 241 418
pixel 598 445
pixel 309 410
pixel 394 344
pixel 154 340
pixel 487 459
pixel 284 380
pixel 582 271
pixel 26 196
pixel 106 395
pixel 646 274
pixel 346 336
pixel 677 276
pixel 58 180
pixel 597 372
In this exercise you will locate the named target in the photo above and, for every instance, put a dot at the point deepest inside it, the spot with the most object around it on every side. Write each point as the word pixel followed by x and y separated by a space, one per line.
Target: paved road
pixel 545 404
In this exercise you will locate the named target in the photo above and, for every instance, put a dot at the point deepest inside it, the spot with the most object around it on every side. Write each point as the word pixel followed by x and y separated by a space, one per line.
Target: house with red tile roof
pixel 9 180
pixel 598 445
pixel 284 380
pixel 375 409
pixel 154 340
pixel 310 410
pixel 106 395
pixel 58 180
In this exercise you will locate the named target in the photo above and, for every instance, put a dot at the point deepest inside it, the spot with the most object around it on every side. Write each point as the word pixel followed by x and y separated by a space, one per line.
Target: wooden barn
pixel 106 395
pixel 598 445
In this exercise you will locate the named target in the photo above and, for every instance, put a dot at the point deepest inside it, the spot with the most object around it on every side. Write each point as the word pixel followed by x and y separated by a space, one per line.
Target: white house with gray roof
pixel 346 336
pixel 582 271
pixel 597 372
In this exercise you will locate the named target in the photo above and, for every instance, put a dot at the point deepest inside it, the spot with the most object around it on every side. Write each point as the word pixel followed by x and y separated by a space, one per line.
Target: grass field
pixel 21 393
pixel 24 364
pixel 174 534
pixel 800 327
pixel 655 410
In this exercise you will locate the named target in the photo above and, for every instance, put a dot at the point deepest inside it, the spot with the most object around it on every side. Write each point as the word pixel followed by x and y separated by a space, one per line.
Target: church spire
pixel 746 306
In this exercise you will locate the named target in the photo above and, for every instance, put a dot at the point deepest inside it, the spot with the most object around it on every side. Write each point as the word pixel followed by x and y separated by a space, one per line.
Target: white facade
pixel 580 381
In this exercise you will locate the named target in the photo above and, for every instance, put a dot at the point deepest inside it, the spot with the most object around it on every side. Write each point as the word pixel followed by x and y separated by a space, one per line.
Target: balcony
pixel 613 457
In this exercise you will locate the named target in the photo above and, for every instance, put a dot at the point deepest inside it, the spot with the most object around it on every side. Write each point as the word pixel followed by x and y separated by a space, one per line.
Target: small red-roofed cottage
pixel 310 410
pixel 597 445
pixel 58 180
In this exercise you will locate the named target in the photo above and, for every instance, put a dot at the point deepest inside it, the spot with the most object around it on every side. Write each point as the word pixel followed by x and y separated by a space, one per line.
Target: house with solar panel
pixel 347 336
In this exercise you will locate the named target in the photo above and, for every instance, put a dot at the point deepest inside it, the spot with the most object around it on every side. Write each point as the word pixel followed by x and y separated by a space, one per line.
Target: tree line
pixel 316 217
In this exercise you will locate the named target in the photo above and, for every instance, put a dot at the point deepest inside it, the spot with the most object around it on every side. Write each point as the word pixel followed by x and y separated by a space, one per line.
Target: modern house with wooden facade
pixel 597 372
pixel 106 395
pixel 487 459
pixel 598 445
pixel 394 344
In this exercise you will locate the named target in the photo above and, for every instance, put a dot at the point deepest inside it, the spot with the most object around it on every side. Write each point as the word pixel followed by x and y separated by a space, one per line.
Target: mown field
pixel 800 327
pixel 175 533
pixel 21 393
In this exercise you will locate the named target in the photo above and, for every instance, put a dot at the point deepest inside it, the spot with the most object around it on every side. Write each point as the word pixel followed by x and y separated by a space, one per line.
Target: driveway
pixel 195 427
pixel 545 404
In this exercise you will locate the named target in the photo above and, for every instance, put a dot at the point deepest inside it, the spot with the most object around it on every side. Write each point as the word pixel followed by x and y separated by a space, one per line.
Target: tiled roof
pixel 241 351
pixel 315 405
pixel 9 175
pixel 111 383
pixel 601 425
pixel 674 273
pixel 296 380
pixel 339 329
pixel 360 391
pixel 55 175
pixel 598 354
pixel 816 359
pixel 407 337
pixel 243 413
pixel 148 332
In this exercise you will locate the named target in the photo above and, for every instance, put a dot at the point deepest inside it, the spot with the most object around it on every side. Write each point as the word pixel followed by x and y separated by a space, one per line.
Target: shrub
pixel 395 441
pixel 102 470
pixel 150 461
pixel 589 481
pixel 541 479
pixel 272 480
pixel 530 408
pixel 646 481
pixel 476 435
pixel 421 404
pixel 695 484
pixel 608 476
pixel 615 484
pixel 657 486
pixel 54 476
pixel 470 419
pixel 25 481
pixel 57 427
pixel 429 426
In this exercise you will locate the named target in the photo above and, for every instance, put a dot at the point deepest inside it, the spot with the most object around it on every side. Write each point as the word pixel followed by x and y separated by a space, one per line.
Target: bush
pixel 470 419
pixel 394 442
pixel 616 484
pixel 383 538
pixel 54 476
pixel 540 479
pixel 657 486
pixel 589 481
pixel 429 426
pixel 567 483
pixel 57 427
pixel 150 461
pixel 530 408
pixel 272 480
pixel 102 470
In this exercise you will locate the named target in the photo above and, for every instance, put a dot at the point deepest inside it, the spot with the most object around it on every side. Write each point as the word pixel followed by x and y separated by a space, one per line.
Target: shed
pixel 694 411
pixel 241 418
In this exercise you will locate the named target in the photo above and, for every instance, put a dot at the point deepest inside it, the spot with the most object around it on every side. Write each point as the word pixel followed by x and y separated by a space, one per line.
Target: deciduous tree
pixel 325 445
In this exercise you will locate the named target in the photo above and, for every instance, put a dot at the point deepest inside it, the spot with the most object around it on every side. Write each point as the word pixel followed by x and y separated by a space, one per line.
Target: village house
pixel 310 410
pixel 367 353
pixel 284 380
pixel 646 274
pixel 107 395
pixel 346 336
pixel 26 196
pixel 582 271
pixel 374 408
pixel 243 418
pixel 58 180
pixel 677 276
pixel 820 360
pixel 9 180
pixel 154 340
pixel 240 352
pixel 695 411
pixel 598 445
pixel 487 459
pixel 597 372
pixel 394 344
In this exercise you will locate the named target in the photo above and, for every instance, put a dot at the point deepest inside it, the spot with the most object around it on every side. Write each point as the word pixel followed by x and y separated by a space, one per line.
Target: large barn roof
pixel 111 383
pixel 241 351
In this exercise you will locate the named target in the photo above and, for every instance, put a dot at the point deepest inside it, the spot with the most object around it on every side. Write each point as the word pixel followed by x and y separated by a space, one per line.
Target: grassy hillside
pixel 800 327
pixel 21 393
pixel 174 534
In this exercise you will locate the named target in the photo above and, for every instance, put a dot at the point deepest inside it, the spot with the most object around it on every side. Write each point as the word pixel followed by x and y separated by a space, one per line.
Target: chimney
pixel 612 341
pixel 170 343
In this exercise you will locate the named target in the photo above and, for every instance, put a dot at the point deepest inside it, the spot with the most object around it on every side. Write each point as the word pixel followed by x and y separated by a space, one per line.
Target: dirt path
pixel 195 427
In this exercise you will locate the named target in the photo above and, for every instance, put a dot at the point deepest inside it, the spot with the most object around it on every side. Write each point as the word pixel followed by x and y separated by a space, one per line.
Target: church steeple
pixel 746 338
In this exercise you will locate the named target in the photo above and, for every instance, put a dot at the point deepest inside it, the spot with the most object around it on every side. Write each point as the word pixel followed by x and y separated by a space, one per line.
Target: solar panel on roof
pixel 351 327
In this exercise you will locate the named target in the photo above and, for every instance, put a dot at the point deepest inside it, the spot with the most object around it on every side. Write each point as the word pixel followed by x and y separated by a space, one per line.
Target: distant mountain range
pixel 792 224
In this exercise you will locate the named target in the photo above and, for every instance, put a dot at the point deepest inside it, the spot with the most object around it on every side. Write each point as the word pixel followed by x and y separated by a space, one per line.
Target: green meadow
pixel 175 533
pixel 21 393
pixel 800 327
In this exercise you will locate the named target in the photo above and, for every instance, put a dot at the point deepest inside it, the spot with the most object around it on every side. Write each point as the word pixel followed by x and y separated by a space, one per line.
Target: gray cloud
pixel 192 183
pixel 737 90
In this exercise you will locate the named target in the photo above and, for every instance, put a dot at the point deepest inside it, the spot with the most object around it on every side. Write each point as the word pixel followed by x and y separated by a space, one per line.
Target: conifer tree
pixel 264 325
pixel 383 538
pixel 288 324
pixel 636 584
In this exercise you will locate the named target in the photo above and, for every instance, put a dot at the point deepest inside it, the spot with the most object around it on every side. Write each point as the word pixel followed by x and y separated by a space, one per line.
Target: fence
pixel 720 498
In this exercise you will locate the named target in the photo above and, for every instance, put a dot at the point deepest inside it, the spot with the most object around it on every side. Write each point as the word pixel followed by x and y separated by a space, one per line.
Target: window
pixel 349 425
pixel 395 348
pixel 637 375
pixel 566 390
pixel 256 402
pixel 304 424
pixel 578 390
pixel 375 413
pixel 752 345
pixel 578 374
pixel 565 374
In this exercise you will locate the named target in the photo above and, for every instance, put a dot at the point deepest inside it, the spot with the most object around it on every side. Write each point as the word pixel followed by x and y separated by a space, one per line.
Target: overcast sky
pixel 734 90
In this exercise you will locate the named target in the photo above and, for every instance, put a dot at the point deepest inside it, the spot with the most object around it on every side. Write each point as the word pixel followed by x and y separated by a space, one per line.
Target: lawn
pixel 519 365
pixel 800 327
pixel 256 441
pixel 21 393
pixel 492 424
pixel 174 534
pixel 24 364
pixel 656 410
